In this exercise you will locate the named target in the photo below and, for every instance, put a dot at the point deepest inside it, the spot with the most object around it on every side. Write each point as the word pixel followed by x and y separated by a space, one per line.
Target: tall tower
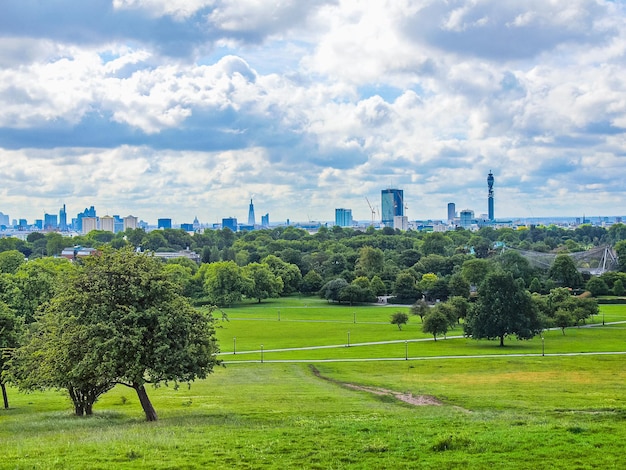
pixel 251 218
pixel 451 211
pixel 392 204
pixel 63 219
pixel 490 195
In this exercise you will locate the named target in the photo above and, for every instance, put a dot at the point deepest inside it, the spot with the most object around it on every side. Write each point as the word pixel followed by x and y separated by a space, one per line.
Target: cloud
pixel 148 106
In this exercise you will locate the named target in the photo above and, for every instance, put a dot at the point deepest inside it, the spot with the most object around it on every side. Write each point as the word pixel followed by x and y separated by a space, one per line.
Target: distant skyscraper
pixel 50 222
pixel 130 222
pixel 63 219
pixel 265 220
pixel 91 212
pixel 392 204
pixel 107 223
pixel 467 216
pixel 164 223
pixel 89 224
pixel 4 219
pixel 230 222
pixel 343 217
pixel 451 211
pixel 251 218
pixel 490 195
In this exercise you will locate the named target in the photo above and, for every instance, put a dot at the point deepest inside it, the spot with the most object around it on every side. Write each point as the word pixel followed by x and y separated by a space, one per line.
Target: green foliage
pixel 331 291
pixel 563 271
pixel 10 261
pixel 264 283
pixel 618 288
pixel 223 282
pixel 475 270
pixel 405 287
pixel 503 308
pixel 311 282
pixel 597 287
pixel 400 319
pixel 436 322
pixel 118 319
pixel 420 308
pixel 11 330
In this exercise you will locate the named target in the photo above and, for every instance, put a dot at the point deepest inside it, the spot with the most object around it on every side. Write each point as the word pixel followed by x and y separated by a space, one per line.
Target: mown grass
pixel 504 412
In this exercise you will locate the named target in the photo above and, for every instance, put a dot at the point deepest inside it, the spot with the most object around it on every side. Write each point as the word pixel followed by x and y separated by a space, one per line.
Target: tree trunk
pixel 148 409
pixel 4 396
pixel 502 341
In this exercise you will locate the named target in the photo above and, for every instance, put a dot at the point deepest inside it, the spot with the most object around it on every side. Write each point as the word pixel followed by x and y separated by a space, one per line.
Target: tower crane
pixel 371 209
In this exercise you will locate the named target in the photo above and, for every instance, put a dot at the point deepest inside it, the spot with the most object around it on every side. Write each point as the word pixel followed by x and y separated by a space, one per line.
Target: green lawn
pixel 503 412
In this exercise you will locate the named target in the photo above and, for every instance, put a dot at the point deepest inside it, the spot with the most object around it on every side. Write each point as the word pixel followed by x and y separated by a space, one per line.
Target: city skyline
pixel 171 108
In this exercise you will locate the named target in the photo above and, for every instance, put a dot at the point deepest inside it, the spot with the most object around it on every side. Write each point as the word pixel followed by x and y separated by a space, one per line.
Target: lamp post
pixel 354 317
pixel 261 354
pixel 348 338
pixel 406 350
pixel 234 346
pixel 278 314
pixel 543 346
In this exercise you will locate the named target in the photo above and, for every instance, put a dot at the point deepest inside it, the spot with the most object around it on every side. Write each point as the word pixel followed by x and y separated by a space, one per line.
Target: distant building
pixel 50 222
pixel 467 218
pixel 89 224
pixel 265 220
pixel 392 205
pixel 196 224
pixel 343 217
pixel 401 222
pixel 130 222
pixel 192 255
pixel 107 223
pixel 76 252
pixel 230 222
pixel 251 218
pixel 63 219
pixel 91 212
pixel 4 219
pixel 187 227
pixel 451 211
pixel 164 223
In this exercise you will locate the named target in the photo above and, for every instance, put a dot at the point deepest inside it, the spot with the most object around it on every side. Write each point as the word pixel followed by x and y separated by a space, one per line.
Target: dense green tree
pixel 55 242
pixel 436 323
pixel 224 283
pixel 597 286
pixel 435 243
pixel 331 291
pixel 405 287
pixel 563 271
pixel 289 273
pixel 11 329
pixel 618 288
pixel 10 261
pixel 480 245
pixel 563 319
pixel 378 286
pixel 420 308
pixel 461 305
pixel 475 270
pixel 535 285
pixel 34 236
pixel 503 308
pixel 118 320
pixel 370 261
pixel 35 283
pixel 265 283
pixel 458 286
pixel 311 283
pixel 400 319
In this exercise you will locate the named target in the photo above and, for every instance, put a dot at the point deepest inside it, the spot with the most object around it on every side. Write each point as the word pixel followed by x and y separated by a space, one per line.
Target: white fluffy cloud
pixel 314 105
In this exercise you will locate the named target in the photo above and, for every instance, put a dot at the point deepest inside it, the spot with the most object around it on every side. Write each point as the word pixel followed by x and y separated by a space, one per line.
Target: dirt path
pixel 419 400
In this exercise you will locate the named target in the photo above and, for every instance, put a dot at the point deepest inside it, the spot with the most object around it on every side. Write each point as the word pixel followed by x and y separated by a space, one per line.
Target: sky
pixel 185 108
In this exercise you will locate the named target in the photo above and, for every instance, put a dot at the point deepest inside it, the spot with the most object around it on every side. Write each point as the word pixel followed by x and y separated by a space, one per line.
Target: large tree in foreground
pixel 120 320
pixel 504 308
pixel 10 334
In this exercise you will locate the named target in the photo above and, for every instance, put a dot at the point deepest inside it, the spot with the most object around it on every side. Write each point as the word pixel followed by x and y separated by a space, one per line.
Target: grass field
pixel 532 412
